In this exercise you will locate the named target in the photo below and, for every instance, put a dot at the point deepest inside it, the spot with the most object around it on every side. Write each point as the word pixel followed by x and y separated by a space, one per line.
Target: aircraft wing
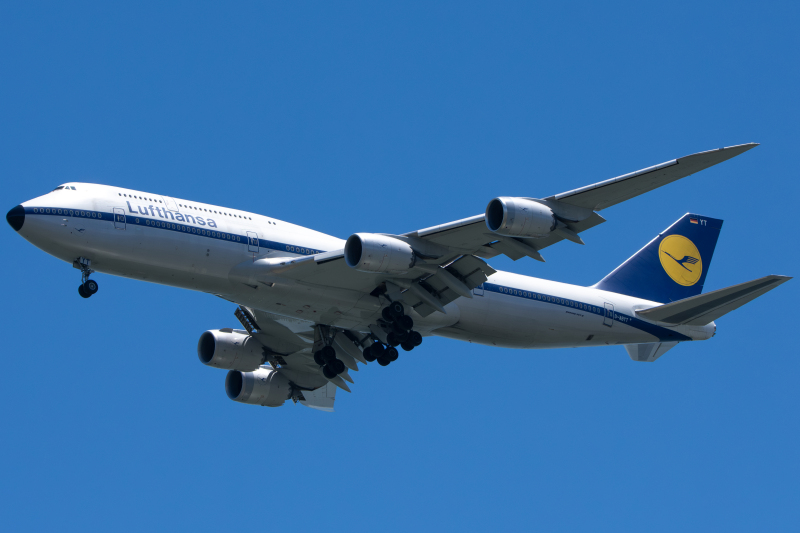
pixel 578 208
pixel 611 192
pixel 289 345
pixel 450 257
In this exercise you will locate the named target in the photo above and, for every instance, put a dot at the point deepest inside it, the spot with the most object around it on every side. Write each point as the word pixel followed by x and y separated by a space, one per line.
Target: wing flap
pixel 705 308
pixel 468 271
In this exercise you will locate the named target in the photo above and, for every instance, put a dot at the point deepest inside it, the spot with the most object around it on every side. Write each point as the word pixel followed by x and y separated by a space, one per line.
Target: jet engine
pixel 230 350
pixel 369 252
pixel 264 386
pixel 519 217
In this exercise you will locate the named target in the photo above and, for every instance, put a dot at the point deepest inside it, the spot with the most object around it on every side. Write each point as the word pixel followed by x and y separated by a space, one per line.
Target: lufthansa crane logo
pixel 681 260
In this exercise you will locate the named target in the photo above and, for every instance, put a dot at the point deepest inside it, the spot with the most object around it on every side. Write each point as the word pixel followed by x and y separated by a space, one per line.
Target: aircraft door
pixel 171 204
pixel 252 242
pixel 119 218
pixel 608 315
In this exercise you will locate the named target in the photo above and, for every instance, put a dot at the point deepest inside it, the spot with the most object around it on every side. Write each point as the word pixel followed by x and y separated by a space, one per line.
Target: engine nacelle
pixel 230 350
pixel 519 217
pixel 263 386
pixel 368 252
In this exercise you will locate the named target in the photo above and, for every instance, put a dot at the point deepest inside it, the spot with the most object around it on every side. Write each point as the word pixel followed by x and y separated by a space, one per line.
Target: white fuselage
pixel 196 246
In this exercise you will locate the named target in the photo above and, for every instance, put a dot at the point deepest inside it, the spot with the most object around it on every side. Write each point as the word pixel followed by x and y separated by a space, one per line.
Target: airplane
pixel 313 306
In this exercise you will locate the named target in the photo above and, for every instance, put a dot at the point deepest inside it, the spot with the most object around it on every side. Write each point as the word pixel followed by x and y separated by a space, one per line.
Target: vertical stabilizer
pixel 671 267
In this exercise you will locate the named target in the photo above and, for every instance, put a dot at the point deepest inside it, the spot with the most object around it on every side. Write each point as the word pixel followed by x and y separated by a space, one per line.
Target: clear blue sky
pixel 348 117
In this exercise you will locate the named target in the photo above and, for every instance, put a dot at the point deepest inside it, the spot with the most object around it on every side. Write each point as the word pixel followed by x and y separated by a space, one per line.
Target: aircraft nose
pixel 16 217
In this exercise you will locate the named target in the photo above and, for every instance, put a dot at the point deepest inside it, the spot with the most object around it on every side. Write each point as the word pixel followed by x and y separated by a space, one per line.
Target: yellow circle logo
pixel 681 260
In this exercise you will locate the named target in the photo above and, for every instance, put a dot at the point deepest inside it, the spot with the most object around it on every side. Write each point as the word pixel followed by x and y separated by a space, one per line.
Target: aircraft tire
pixel 328 372
pixel 90 287
pixel 383 361
pixel 369 356
pixel 318 358
pixel 391 339
pixel 337 366
pixel 328 354
pixel 378 349
pixel 396 309
pixel 415 338
pixel 407 346
pixel 83 292
pixel 405 322
pixel 391 354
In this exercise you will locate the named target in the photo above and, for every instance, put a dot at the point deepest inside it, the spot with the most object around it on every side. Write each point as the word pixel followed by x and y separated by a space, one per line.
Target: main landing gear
pixel 398 327
pixel 87 286
pixel 326 358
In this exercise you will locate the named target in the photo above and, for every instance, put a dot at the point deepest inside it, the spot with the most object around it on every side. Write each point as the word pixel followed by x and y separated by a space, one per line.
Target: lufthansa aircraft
pixel 313 306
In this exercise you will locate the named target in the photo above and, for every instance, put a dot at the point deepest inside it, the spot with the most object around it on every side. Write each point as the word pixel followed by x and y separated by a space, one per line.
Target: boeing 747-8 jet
pixel 312 306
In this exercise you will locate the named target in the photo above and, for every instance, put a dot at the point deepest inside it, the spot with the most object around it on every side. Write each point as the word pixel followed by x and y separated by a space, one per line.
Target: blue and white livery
pixel 312 306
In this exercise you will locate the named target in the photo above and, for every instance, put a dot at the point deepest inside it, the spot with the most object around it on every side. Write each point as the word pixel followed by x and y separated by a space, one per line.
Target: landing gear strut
pixel 87 286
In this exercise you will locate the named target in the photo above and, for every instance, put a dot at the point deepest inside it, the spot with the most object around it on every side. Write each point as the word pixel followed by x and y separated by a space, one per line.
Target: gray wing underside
pixel 330 272
pixel 290 344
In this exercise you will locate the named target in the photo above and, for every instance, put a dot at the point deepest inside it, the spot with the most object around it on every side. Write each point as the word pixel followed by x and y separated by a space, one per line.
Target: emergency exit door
pixel 608 315
pixel 119 218
pixel 252 242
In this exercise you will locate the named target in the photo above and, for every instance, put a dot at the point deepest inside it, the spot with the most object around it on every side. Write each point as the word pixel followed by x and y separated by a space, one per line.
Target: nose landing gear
pixel 87 286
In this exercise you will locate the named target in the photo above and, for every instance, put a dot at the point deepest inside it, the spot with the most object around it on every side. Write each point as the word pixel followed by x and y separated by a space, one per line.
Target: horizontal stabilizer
pixel 705 308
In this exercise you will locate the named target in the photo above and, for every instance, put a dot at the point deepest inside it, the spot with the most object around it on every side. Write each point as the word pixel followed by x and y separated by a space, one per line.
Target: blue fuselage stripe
pixel 180 227
pixel 663 334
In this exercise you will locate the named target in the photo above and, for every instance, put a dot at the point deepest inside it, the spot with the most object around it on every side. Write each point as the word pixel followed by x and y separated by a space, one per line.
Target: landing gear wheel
pixel 318 358
pixel 415 338
pixel 383 361
pixel 328 354
pixel 391 354
pixel 405 322
pixel 407 346
pixel 83 292
pixel 398 329
pixel 328 372
pixel 392 340
pixel 369 356
pixel 337 366
pixel 378 349
pixel 396 309
pixel 90 287
pixel 387 314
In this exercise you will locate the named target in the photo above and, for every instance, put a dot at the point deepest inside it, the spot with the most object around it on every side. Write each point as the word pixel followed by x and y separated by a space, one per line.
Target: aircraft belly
pixel 499 320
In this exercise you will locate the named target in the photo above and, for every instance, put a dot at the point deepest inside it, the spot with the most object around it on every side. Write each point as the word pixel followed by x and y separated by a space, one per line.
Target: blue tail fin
pixel 673 266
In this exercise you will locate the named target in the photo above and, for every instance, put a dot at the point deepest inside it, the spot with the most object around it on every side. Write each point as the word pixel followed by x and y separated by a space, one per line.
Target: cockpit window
pixel 58 188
